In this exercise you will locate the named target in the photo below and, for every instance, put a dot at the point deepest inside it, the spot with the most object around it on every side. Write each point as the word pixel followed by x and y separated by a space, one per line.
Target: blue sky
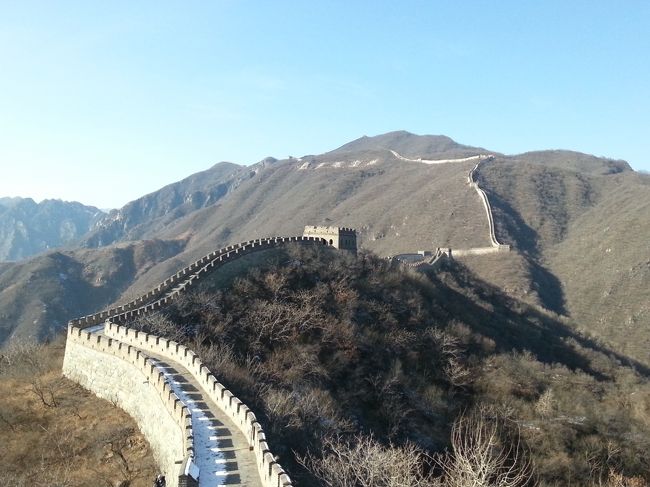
pixel 102 102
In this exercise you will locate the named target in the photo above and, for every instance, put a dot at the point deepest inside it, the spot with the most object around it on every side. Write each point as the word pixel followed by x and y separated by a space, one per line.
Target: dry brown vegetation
pixel 351 348
pixel 583 227
pixel 330 350
pixel 53 433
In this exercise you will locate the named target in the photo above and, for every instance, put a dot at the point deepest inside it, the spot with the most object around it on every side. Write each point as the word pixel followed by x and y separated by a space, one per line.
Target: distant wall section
pixel 471 180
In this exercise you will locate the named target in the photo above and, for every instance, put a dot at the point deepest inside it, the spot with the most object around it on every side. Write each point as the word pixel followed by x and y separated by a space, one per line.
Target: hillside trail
pixel 222 452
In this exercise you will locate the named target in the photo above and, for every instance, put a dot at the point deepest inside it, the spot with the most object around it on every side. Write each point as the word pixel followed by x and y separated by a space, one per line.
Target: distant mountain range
pixel 28 228
pixel 579 227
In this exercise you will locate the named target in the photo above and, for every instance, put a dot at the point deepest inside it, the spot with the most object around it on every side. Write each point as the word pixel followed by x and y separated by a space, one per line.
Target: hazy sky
pixel 102 102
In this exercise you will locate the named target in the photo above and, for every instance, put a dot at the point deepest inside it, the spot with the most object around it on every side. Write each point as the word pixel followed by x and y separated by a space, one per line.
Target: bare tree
pixel 22 358
pixel 46 391
pixel 118 443
pixel 364 462
pixel 451 350
pixel 546 403
pixel 616 479
pixel 482 456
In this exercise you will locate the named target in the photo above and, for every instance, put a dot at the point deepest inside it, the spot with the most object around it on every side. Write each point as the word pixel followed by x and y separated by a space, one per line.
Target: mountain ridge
pixel 28 228
pixel 397 206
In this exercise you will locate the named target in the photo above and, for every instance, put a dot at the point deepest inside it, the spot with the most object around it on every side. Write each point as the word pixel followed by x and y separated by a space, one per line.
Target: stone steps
pixel 222 453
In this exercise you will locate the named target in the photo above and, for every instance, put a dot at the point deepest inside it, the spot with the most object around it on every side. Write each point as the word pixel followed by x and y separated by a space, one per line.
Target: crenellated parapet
pixel 169 290
pixel 427 260
pixel 128 377
pixel 271 473
pixel 103 358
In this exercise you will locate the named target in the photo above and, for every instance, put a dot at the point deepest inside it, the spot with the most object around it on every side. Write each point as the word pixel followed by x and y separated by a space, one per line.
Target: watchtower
pixel 337 237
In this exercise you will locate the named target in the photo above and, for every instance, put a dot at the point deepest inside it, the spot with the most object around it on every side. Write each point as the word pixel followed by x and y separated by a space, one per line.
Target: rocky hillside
pixel 604 266
pixel 152 212
pixel 357 185
pixel 28 228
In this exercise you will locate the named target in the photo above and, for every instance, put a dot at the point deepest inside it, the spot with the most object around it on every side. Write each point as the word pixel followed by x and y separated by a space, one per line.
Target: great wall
pixel 471 180
pixel 427 258
pixel 201 434
pixel 168 390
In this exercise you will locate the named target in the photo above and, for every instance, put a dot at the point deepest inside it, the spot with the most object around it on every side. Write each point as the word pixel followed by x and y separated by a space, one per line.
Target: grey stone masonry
pixel 133 370
pixel 124 376
pixel 338 237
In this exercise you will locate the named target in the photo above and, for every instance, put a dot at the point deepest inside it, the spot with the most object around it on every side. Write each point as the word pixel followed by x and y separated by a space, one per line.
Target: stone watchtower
pixel 340 238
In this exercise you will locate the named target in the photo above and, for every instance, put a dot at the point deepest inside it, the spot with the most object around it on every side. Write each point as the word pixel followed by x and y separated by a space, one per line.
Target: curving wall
pixel 112 362
pixel 172 287
pixel 126 376
pixel 432 261
pixel 471 179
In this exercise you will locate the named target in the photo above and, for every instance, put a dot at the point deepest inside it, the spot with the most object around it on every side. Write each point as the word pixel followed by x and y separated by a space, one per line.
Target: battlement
pixel 342 238
pixel 89 349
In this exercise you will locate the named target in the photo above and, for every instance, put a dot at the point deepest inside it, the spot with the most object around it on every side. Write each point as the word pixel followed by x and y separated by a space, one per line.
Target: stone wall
pixel 183 280
pixel 496 246
pixel 471 179
pixel 435 161
pixel 428 261
pixel 271 473
pixel 342 238
pixel 479 251
pixel 125 376
pixel 86 363
pixel 100 362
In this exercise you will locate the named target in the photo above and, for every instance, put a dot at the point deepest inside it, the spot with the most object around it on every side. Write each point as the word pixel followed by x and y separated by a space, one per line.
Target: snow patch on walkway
pixel 208 455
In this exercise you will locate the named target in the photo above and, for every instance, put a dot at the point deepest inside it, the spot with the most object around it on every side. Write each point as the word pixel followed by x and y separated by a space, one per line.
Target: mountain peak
pixel 406 143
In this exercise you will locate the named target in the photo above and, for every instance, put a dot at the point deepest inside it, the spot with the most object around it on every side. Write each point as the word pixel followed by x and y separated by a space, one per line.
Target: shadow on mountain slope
pixel 511 227
pixel 548 288
pixel 514 325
